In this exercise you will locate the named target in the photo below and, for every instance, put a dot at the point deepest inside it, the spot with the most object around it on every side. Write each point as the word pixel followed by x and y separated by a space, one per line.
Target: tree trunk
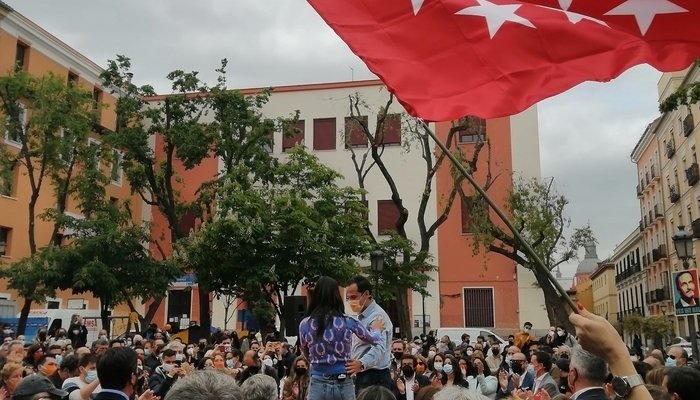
pixel 556 308
pixel 104 314
pixel 24 316
pixel 403 313
pixel 204 312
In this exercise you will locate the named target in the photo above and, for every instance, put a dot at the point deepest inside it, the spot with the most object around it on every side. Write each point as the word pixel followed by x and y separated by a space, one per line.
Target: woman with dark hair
pixel 326 341
pixel 34 354
pixel 296 385
pixel 480 379
pixel 452 374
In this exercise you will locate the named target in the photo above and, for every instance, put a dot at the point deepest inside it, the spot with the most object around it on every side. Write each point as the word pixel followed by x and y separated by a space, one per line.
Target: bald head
pixel 653 361
pixel 251 358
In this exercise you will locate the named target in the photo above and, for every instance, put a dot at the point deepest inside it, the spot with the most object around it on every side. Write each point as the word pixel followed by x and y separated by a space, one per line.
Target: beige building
pixel 630 278
pixel 677 135
pixel 604 291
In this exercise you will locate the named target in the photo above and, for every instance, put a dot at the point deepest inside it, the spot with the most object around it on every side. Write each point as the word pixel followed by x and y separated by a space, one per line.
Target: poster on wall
pixel 685 292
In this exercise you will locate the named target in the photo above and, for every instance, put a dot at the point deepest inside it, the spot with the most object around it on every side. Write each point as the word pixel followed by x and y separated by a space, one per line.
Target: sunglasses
pixel 421 363
pixel 671 357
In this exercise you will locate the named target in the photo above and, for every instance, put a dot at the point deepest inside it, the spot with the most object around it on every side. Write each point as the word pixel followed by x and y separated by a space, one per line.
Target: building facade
pixel 25 45
pixel 630 279
pixel 604 292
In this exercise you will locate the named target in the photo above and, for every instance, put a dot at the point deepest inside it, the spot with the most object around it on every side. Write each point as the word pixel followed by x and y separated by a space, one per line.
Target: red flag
pixel 444 59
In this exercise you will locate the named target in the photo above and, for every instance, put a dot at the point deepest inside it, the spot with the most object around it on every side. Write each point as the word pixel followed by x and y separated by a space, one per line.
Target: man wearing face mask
pixel 523 338
pixel 86 384
pixel 494 360
pixel 254 365
pixel 409 382
pixel 398 348
pixel 118 374
pixel 517 378
pixel 166 374
pixel 677 357
pixel 370 363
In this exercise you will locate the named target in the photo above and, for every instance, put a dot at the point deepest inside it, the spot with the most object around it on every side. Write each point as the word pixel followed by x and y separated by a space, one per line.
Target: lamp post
pixel 683 242
pixel 376 262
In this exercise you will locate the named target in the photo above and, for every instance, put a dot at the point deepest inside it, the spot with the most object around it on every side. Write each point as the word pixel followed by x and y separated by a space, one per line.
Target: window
pixel 21 54
pixel 478 307
pixel 94 152
pixel 8 182
pixel 72 79
pixel 116 170
pixel 466 210
pixel 391 130
pixel 13 132
pixel 324 134
pixel 474 130
pixel 387 215
pixel 96 101
pixel 354 131
pixel 296 139
pixel 5 234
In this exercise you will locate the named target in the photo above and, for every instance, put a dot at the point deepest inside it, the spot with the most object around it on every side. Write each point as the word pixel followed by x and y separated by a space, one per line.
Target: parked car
pixel 682 342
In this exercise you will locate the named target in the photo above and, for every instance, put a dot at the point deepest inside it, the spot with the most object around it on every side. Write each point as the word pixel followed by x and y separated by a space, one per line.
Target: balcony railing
pixel 670 149
pixel 639 190
pixel 662 252
pixel 693 174
pixel 695 226
pixel 688 125
pixel 657 212
pixel 673 194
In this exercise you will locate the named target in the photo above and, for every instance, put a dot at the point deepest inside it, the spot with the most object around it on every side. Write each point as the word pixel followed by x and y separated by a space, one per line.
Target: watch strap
pixel 634 380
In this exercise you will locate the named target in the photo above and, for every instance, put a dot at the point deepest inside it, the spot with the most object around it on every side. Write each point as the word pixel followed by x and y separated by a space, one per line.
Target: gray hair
pixel 205 385
pixel 260 387
pixel 457 393
pixel 589 366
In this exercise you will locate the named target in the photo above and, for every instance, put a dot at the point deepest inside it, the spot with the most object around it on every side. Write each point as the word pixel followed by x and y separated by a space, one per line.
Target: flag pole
pixel 538 264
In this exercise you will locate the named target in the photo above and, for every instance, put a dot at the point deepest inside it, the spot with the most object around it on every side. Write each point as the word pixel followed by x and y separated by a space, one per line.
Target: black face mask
pixel 254 370
pixel 563 385
pixel 407 371
pixel 495 351
pixel 516 367
pixel 300 371
pixel 398 355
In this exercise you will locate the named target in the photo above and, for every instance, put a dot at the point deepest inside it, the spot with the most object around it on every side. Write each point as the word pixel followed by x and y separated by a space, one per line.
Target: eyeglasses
pixel 421 363
pixel 671 357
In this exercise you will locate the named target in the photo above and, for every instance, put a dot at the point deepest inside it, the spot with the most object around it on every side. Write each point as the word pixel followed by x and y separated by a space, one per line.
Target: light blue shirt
pixel 373 356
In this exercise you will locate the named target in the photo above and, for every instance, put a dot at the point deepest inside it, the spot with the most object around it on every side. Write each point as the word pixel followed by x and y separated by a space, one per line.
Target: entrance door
pixel 179 305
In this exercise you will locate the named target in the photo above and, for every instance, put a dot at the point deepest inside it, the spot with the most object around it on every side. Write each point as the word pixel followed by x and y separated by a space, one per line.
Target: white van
pixel 61 318
pixel 455 334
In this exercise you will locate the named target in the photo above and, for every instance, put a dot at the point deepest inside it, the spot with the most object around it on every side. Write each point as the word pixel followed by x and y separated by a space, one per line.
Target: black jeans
pixel 372 377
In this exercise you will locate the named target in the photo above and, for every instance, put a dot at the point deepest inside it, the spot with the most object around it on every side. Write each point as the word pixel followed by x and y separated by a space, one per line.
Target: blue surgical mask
pixel 670 362
pixel 531 368
pixel 90 376
pixel 447 368
pixel 508 359
pixel 59 359
pixel 146 352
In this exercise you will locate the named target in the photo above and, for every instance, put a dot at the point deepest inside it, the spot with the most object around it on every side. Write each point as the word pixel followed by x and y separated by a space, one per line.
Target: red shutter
pixel 391 129
pixel 296 138
pixel 354 133
pixel 324 134
pixel 466 209
pixel 387 215
pixel 187 222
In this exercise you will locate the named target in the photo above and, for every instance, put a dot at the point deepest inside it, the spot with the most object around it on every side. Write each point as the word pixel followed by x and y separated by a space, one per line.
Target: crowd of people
pixel 339 356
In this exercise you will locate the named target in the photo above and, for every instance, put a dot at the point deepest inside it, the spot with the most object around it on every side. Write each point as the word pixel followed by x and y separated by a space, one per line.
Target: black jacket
pixel 160 383
pixel 269 371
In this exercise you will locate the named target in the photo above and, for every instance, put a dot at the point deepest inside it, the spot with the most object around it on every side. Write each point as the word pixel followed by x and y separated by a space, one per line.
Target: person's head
pixel 465 338
pixel 11 375
pixel 426 393
pixel 421 364
pixel 325 302
pixel 518 363
pixel 656 376
pixel 87 365
pixel 207 363
pixel 168 359
pixel 658 393
pixel 37 387
pixel 542 362
pixel 466 367
pixel 260 387
pixel 527 326
pixel 34 353
pixel 451 367
pixel 255 346
pixel 47 365
pixel 585 370
pixel 480 365
pixel 251 358
pixel 398 348
pixel 100 346
pixel 495 350
pixel 455 392
pixel 408 365
pixel 678 355
pixel 81 350
pixel 534 348
pixel 682 383
pixel 653 362
pixel 116 369
pixel 300 368
pixel 511 340
pixel 686 285
pixel 359 293
pixel 15 351
pixel 205 385
pixel 438 362
pixel 375 392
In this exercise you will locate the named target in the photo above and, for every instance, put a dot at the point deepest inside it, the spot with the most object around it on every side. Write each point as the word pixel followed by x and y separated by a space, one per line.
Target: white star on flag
pixel 417 4
pixel 496 15
pixel 644 11
pixel 575 18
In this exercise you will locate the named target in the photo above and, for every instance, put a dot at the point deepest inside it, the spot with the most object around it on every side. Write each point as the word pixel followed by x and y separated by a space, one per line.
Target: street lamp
pixel 683 242
pixel 376 262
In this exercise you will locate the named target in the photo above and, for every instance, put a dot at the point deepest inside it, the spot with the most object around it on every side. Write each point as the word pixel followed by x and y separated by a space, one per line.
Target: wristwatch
pixel 623 385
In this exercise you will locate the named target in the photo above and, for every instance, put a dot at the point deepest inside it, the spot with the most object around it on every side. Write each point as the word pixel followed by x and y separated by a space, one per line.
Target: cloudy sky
pixel 586 134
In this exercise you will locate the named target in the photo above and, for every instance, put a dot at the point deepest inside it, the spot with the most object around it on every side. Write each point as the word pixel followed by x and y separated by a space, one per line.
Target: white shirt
pixel 581 391
pixel 409 386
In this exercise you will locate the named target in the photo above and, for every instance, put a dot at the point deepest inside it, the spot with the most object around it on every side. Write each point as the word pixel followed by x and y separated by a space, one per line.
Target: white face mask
pixel 437 366
pixel 268 362
pixel 526 330
pixel 431 353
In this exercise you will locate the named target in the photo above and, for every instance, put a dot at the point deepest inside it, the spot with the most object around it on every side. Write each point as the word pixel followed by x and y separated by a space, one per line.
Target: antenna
pixel 352 74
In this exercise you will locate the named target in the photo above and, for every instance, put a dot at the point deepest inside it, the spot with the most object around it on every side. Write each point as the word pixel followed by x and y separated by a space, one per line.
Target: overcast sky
pixel 586 134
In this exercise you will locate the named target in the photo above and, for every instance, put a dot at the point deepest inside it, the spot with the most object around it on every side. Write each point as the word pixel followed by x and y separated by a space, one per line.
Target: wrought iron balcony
pixel 673 194
pixel 670 149
pixel 695 226
pixel 688 125
pixel 692 174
